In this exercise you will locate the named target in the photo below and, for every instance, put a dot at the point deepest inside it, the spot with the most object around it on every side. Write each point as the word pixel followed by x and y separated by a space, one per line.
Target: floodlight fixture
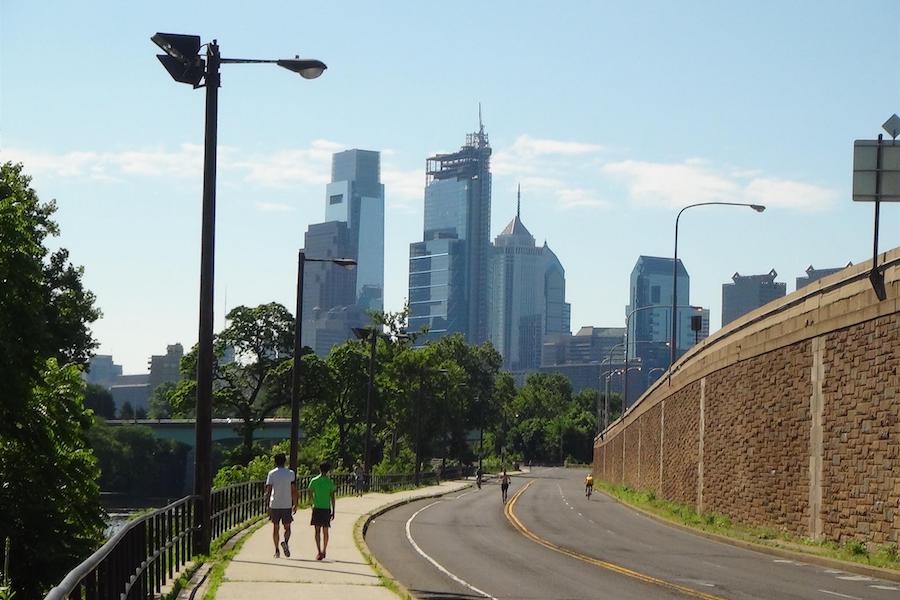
pixel 758 207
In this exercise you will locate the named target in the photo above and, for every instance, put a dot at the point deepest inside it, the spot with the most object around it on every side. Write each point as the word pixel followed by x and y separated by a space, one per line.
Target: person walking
pixel 359 479
pixel 504 485
pixel 281 491
pixel 323 506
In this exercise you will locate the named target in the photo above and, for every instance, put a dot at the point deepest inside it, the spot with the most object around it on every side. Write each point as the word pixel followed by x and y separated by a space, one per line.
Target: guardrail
pixel 139 560
pixel 150 550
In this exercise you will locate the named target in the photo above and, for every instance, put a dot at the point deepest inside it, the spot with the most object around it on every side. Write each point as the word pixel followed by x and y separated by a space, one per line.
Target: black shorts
pixel 504 486
pixel 321 517
pixel 281 514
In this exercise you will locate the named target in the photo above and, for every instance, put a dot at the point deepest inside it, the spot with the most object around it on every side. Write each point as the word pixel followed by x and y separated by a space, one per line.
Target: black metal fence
pixel 149 551
pixel 146 554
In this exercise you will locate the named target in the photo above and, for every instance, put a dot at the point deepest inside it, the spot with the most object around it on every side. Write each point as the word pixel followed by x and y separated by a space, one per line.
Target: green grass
pixel 886 556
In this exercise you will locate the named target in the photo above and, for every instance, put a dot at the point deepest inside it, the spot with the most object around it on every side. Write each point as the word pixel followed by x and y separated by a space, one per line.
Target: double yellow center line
pixel 510 515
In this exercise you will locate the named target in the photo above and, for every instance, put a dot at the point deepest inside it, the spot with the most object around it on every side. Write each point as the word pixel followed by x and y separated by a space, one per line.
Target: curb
pixel 822 561
pixel 362 525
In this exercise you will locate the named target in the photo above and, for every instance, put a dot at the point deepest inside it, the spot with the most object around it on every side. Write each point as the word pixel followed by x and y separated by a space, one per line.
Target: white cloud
pixel 403 186
pixel 530 155
pixel 676 184
pixel 569 198
pixel 274 207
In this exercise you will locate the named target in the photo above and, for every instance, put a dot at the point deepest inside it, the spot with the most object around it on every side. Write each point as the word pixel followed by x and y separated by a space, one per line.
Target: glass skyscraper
pixel 448 268
pixel 527 297
pixel 335 299
pixel 355 196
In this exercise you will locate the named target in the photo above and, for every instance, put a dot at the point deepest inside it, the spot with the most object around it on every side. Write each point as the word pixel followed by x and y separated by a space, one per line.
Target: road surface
pixel 552 543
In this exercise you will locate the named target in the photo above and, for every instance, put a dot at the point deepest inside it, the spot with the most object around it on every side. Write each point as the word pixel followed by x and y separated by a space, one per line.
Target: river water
pixel 121 508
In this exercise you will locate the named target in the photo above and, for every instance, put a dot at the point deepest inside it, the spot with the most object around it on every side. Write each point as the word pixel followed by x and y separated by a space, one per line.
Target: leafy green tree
pixel 47 476
pixel 160 404
pixel 100 400
pixel 258 381
pixel 126 411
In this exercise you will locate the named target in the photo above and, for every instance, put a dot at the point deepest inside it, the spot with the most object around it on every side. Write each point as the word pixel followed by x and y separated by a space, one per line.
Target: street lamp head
pixel 758 207
pixel 362 333
pixel 306 68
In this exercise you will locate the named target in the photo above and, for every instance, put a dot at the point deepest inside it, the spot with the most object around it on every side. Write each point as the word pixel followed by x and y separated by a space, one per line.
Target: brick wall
pixel 787 418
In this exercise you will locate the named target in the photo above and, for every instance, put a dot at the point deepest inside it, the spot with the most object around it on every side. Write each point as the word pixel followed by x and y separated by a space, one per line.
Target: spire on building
pixel 519 201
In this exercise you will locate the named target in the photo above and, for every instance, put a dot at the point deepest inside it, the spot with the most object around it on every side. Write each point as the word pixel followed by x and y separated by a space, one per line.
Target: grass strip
pixel 885 556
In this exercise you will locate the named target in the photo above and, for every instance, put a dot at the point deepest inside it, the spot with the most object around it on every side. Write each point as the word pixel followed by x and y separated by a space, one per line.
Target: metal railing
pixel 146 554
pixel 139 560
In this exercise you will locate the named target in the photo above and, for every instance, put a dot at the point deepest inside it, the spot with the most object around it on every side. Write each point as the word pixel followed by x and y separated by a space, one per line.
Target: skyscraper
pixel 527 296
pixel 747 292
pixel 651 285
pixel 448 268
pixel 335 299
pixel 355 196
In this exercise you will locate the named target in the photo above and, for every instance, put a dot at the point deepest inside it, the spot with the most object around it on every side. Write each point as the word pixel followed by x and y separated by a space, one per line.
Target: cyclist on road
pixel 588 485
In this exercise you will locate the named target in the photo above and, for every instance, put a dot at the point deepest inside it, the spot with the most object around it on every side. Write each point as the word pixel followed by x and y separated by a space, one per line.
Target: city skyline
pixel 702 111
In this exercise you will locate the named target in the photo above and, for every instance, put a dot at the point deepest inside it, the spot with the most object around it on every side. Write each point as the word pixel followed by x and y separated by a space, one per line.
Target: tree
pixel 49 498
pixel 126 411
pixel 100 400
pixel 160 404
pixel 257 382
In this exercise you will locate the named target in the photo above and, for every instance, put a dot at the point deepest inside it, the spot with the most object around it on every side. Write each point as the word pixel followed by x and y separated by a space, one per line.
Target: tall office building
pixel 448 269
pixel 102 371
pixel 748 292
pixel 527 296
pixel 166 368
pixel 651 286
pixel 355 196
pixel 813 274
pixel 335 299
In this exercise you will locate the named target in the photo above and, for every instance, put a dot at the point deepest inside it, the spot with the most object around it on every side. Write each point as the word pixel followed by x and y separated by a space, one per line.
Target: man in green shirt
pixel 323 502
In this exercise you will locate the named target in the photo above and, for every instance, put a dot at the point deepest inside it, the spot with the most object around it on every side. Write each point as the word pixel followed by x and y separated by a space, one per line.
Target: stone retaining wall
pixel 788 418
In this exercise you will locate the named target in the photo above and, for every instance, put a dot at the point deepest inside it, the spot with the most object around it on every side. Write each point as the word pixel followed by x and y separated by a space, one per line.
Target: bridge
pixel 182 430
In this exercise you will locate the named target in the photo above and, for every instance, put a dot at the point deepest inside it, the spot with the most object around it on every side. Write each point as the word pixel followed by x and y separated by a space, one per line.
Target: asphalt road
pixel 567 547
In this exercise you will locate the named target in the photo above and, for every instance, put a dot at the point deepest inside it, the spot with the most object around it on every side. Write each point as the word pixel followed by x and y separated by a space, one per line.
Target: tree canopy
pixel 48 488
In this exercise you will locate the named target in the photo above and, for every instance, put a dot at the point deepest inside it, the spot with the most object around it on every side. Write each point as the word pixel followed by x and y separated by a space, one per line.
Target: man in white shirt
pixel 281 491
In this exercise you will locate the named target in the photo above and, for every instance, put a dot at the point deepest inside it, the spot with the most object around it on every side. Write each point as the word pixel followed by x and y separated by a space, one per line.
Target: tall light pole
pixel 296 379
pixel 673 341
pixel 183 62
pixel 370 336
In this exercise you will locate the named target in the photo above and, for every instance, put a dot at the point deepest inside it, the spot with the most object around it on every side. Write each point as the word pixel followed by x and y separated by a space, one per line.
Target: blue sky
pixel 611 115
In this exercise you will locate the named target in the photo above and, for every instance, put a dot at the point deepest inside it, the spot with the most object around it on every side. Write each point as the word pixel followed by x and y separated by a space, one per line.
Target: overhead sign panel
pixel 866 173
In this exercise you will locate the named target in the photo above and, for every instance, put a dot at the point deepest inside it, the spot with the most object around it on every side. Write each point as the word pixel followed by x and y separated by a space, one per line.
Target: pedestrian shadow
pixel 298 563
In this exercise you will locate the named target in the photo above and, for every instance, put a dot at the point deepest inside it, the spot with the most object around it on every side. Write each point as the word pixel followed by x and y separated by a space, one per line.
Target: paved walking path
pixel 344 574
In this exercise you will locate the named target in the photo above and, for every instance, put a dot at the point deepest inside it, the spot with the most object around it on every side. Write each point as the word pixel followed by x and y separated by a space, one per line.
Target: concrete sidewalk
pixel 255 573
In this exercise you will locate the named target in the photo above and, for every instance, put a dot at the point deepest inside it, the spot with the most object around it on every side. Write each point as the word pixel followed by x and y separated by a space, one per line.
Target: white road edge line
pixel 437 565
pixel 840 595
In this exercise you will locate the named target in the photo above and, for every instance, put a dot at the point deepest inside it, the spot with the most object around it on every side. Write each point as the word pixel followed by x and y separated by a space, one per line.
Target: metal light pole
pixel 673 341
pixel 183 62
pixel 369 335
pixel 296 377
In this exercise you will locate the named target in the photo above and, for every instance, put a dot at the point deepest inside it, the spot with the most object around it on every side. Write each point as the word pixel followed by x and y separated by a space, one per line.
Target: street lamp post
pixel 296 378
pixel 370 335
pixel 183 62
pixel 673 341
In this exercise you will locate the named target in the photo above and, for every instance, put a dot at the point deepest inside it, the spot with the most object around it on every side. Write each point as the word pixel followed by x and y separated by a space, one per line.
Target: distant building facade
pixel 813 274
pixel 448 269
pixel 102 370
pixel 335 298
pixel 650 290
pixel 165 368
pixel 526 301
pixel 749 292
